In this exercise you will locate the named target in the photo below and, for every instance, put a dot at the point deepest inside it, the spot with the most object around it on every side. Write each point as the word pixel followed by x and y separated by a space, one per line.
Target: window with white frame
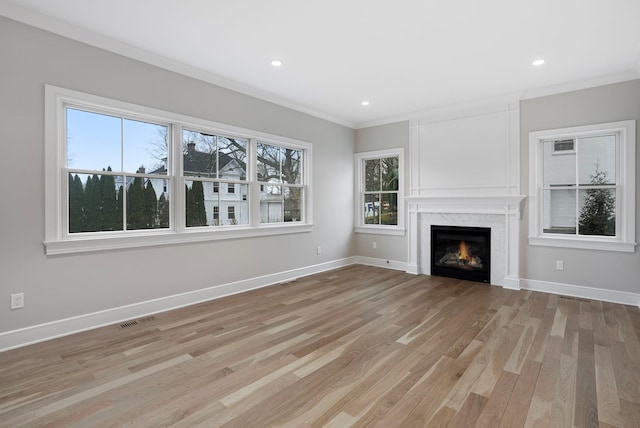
pixel 582 187
pixel 282 193
pixel 207 159
pixel 380 205
pixel 121 175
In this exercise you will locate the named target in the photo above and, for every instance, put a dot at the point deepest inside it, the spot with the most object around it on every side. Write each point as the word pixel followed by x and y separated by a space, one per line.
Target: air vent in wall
pixel 564 145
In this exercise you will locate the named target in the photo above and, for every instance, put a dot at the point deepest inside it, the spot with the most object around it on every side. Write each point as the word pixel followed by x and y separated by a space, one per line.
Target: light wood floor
pixel 358 346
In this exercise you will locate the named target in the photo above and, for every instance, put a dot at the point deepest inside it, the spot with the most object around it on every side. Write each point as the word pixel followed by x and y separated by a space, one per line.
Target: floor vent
pixel 128 324
pixel 147 319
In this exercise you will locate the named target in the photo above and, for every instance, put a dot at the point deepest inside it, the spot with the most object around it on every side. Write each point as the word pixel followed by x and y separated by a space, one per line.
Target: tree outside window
pixel 109 187
pixel 598 212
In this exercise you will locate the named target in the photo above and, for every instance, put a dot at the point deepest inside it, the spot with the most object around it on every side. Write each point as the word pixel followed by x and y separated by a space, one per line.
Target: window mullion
pixel 176 170
pixel 124 177
pixel 254 186
pixel 577 181
pixel 379 191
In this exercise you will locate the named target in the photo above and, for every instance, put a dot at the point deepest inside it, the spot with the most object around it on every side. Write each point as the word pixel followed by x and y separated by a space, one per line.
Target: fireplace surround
pixel 499 213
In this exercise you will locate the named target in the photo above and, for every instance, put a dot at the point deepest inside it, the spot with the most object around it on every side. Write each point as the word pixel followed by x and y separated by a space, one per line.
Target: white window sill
pixel 380 230
pixel 602 244
pixel 83 244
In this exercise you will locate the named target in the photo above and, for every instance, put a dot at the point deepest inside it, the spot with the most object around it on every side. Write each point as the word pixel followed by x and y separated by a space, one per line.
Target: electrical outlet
pixel 559 265
pixel 17 301
pixel 318 249
pixel 375 245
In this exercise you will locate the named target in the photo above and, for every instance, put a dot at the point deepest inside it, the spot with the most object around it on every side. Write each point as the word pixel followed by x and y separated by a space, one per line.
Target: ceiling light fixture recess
pixel 537 62
pixel 365 103
pixel 276 63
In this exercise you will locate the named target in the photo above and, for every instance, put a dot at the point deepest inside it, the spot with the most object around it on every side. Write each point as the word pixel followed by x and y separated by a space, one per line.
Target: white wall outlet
pixel 559 265
pixel 375 245
pixel 318 249
pixel 17 301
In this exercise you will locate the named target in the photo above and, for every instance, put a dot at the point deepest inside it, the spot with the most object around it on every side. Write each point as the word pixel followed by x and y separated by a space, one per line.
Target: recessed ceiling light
pixel 365 103
pixel 276 63
pixel 538 62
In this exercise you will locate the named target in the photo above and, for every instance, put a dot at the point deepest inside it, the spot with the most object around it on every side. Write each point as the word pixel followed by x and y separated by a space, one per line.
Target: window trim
pixel 380 229
pixel 56 242
pixel 624 240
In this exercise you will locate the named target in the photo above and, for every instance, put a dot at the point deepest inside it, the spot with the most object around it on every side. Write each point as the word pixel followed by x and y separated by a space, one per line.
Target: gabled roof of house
pixel 196 163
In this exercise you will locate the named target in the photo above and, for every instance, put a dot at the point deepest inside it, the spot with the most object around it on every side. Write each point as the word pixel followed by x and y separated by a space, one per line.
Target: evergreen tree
pixel 110 219
pixel 150 206
pixel 92 205
pixel 135 205
pixel 76 195
pixel 163 211
pixel 597 216
pixel 189 208
pixel 199 212
pixel 119 206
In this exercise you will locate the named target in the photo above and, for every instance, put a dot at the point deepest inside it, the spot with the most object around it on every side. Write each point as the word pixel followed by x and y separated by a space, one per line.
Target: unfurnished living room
pixel 319 214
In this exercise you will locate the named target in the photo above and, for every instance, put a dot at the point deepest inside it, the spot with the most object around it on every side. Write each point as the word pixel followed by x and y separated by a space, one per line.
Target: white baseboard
pixel 511 283
pixel 383 263
pixel 51 330
pixel 612 296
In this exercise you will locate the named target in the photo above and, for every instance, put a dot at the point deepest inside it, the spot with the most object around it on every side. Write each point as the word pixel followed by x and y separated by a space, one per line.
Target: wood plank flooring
pixel 353 347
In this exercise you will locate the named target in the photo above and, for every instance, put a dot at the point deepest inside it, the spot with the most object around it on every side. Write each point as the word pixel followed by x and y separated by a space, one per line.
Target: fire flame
pixel 464 251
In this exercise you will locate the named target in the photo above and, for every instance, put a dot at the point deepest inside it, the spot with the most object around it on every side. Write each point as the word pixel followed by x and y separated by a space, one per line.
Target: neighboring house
pixel 225 196
pixel 225 200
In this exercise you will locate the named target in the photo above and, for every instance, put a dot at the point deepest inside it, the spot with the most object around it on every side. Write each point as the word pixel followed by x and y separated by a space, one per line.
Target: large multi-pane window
pixel 380 200
pixel 141 176
pixel 581 180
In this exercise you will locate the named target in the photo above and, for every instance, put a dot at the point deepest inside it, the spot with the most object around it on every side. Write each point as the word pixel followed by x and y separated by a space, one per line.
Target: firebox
pixel 461 252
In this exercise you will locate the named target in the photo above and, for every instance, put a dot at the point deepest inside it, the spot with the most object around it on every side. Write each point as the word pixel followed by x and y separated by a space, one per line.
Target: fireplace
pixel 461 252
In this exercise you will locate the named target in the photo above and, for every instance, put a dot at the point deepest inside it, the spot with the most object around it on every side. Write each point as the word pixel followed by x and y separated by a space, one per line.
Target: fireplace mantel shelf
pixel 470 204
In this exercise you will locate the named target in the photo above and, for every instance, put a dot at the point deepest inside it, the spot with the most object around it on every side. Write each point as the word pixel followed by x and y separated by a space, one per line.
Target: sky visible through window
pixel 95 142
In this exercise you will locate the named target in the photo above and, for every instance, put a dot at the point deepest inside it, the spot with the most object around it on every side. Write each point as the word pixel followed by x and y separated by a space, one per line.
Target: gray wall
pixel 589 268
pixel 65 286
pixel 382 137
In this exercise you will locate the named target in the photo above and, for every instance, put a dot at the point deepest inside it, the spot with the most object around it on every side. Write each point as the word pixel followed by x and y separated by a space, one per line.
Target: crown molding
pixel 581 84
pixel 74 32
pixel 457 110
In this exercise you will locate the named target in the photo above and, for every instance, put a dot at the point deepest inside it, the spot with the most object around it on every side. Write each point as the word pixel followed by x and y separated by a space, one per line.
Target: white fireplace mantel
pixel 500 212
pixel 475 204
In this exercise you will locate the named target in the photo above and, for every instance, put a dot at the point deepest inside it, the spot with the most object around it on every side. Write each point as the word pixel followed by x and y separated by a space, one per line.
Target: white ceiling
pixel 404 56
